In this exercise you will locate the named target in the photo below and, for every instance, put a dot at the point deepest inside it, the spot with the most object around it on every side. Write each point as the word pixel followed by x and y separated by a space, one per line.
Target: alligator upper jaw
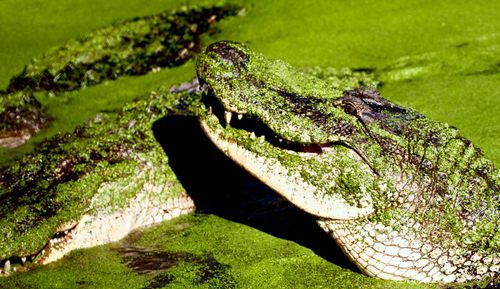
pixel 230 117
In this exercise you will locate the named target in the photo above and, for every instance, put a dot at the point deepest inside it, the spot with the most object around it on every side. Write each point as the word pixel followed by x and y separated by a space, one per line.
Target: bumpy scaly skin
pixel 92 186
pixel 405 197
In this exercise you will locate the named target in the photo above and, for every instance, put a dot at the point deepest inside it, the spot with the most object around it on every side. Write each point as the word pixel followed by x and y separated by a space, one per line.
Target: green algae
pixel 98 267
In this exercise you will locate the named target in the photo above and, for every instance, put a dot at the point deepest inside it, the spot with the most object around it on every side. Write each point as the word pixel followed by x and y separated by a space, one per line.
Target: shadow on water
pixel 219 186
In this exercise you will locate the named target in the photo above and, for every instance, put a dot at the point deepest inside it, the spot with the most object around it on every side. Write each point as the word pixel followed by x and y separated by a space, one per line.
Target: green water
pixel 448 52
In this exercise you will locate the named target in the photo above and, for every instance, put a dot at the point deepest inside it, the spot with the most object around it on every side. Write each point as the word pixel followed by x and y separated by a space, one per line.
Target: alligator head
pixel 404 196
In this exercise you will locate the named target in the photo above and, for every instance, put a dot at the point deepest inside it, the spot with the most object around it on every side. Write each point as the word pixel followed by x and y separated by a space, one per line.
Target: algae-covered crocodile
pixel 403 196
pixel 90 187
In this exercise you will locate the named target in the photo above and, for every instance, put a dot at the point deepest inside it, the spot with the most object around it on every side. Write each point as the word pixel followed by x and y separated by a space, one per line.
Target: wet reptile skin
pixel 404 197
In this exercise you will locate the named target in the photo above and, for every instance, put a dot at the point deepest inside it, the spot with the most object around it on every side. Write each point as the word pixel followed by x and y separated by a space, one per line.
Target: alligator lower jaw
pixel 15 138
pixel 101 228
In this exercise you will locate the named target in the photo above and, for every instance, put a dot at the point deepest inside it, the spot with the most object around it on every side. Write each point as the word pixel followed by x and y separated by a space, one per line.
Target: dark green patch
pixel 207 269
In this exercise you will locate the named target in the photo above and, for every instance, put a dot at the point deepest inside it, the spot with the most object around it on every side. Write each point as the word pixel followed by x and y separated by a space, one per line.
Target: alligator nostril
pixel 229 52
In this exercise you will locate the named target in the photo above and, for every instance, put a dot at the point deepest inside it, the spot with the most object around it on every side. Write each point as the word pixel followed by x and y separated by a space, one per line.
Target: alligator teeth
pixel 252 135
pixel 240 116
pixel 6 267
pixel 23 260
pixel 325 149
pixel 227 116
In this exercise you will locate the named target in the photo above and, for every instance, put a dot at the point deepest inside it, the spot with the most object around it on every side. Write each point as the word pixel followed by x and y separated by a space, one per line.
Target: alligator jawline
pixel 258 129
pixel 98 229
pixel 25 263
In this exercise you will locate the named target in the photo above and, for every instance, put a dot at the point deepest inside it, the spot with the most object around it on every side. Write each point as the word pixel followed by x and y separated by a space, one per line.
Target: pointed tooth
pixel 23 260
pixel 240 116
pixel 6 267
pixel 252 135
pixel 227 116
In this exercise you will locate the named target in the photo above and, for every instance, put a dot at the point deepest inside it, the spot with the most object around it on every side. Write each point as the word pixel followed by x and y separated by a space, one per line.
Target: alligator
pixel 71 190
pixel 90 187
pixel 403 196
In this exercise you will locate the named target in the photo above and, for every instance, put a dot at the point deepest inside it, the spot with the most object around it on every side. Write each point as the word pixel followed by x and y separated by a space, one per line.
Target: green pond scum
pixel 442 59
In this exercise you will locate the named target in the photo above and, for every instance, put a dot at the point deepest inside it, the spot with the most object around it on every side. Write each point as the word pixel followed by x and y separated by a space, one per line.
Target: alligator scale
pixel 404 197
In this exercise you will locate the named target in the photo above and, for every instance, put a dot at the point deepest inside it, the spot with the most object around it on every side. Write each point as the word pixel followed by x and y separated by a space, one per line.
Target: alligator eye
pixel 351 105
